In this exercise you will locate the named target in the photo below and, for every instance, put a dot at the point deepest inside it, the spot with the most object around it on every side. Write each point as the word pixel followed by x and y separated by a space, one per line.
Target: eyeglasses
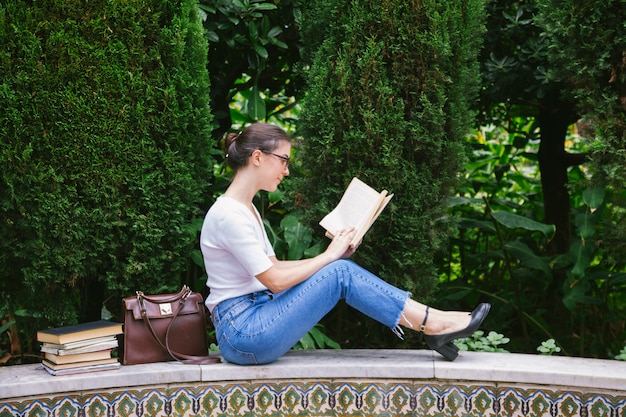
pixel 284 158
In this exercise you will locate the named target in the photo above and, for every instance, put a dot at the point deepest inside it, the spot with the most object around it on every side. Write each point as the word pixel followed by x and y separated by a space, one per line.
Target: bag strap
pixel 181 297
pixel 183 294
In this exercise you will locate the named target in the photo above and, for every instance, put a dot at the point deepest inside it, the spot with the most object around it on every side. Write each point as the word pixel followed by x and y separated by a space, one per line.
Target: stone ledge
pixel 25 381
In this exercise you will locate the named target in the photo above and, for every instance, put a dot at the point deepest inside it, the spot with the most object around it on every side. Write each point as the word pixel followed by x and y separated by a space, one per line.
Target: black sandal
pixel 442 343
pixel 448 350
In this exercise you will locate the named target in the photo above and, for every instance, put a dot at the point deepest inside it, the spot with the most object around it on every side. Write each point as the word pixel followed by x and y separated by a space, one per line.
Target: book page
pixel 359 206
pixel 360 233
pixel 72 349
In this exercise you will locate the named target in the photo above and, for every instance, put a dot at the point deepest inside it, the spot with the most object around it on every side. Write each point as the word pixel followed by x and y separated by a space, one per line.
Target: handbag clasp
pixel 165 309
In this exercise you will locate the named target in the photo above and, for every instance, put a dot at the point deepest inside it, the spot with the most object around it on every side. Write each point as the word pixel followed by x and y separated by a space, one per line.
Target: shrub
pixel 104 151
pixel 389 89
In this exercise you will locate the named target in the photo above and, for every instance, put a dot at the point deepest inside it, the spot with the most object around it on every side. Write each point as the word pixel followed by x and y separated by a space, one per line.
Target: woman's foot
pixel 442 342
pixel 443 322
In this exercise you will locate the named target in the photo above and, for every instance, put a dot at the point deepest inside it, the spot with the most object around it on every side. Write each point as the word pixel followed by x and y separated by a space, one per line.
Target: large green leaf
pixel 316 339
pixel 276 196
pixel 306 342
pixel 527 257
pixel 197 258
pixel 582 254
pixel 6 326
pixel 515 221
pixel 593 197
pixel 297 236
pixel 263 6
pixel 256 104
pixel 467 223
pixel 617 278
pixel 585 225
pixel 576 293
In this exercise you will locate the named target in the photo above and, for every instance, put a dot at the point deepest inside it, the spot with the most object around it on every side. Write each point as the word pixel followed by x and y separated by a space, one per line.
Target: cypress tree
pixel 104 151
pixel 388 100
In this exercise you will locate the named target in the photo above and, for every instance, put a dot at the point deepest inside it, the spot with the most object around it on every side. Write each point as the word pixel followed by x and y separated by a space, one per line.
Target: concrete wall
pixel 330 383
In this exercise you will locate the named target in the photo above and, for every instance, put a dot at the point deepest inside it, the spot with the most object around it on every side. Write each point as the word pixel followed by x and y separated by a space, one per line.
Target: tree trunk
pixel 554 161
pixel 553 164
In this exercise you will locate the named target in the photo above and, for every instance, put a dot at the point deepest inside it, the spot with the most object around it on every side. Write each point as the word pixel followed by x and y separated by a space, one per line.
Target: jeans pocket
pixel 226 311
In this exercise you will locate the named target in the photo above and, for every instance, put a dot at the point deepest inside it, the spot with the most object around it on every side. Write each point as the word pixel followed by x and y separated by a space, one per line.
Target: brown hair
pixel 262 136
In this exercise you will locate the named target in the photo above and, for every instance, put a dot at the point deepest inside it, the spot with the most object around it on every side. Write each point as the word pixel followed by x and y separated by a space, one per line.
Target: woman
pixel 262 306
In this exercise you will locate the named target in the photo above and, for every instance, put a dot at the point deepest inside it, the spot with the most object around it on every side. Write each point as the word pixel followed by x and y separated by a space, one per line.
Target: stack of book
pixel 85 347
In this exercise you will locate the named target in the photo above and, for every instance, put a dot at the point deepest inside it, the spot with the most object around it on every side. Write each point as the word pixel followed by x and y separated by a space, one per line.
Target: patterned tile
pixel 326 398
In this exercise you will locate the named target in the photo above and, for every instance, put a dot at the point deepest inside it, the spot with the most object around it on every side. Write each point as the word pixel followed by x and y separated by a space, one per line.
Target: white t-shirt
pixel 235 248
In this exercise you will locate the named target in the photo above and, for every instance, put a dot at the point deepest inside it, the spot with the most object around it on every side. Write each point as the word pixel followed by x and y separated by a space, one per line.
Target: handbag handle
pixel 181 297
pixel 183 294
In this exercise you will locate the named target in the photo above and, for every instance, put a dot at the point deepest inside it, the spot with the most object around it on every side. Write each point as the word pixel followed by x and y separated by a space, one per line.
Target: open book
pixel 359 207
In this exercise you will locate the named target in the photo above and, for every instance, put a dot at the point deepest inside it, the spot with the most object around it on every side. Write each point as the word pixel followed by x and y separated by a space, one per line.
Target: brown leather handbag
pixel 165 327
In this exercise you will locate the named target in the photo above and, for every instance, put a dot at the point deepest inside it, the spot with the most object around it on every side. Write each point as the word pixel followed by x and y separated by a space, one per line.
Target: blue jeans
pixel 261 327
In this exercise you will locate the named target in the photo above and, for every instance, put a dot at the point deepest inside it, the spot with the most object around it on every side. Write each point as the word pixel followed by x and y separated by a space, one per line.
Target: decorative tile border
pixel 326 398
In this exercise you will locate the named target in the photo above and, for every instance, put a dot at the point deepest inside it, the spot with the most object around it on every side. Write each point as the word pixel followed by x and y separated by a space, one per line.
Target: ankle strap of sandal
pixel 422 328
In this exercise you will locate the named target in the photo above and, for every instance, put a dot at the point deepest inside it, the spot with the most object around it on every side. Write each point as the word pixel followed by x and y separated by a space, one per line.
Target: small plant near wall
pixel 548 347
pixel 478 342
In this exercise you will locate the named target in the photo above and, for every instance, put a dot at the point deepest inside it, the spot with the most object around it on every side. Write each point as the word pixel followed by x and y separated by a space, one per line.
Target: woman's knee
pixel 343 265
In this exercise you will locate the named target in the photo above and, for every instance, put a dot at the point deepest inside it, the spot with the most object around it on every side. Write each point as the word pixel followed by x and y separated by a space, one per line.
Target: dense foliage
pixel 106 166
pixel 564 283
pixel 388 98
pixel 587 48
pixel 587 45
pixel 499 250
pixel 517 82
pixel 105 152
pixel 253 51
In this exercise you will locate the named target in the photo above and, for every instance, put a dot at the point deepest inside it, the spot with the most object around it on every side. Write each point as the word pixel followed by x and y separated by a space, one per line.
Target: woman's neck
pixel 240 189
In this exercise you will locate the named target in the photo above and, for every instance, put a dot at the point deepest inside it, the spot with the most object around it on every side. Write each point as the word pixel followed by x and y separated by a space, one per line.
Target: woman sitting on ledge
pixel 262 306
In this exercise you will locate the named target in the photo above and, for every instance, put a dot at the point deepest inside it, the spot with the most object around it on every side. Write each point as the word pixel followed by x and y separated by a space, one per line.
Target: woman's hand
pixel 340 245
pixel 351 249
pixel 286 274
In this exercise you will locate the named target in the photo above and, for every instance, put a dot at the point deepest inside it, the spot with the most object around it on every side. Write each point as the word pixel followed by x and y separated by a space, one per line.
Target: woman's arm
pixel 286 274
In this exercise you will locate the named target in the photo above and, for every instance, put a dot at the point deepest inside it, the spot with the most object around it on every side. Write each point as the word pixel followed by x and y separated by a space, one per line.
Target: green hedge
pixel 390 87
pixel 105 151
